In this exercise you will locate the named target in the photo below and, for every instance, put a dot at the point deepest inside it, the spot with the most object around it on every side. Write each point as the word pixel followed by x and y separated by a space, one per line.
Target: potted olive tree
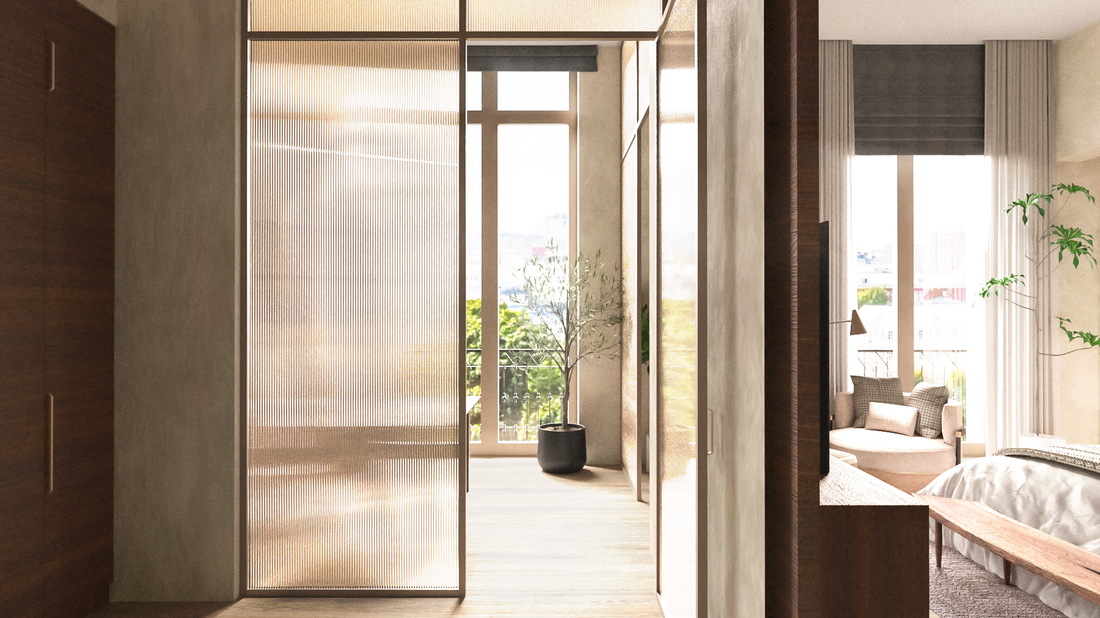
pixel 580 308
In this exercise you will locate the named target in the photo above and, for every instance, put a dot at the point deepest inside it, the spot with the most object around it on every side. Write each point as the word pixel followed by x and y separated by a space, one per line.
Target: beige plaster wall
pixel 1079 300
pixel 107 9
pixel 1078 108
pixel 599 226
pixel 735 306
pixel 1078 60
pixel 176 440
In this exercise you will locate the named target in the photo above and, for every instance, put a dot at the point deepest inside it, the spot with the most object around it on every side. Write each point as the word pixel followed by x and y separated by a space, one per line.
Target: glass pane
pixel 536 90
pixel 950 202
pixel 533 214
pixel 473 277
pixel 630 91
pixel 354 414
pixel 677 358
pixel 353 15
pixel 473 92
pixel 874 241
pixel 632 388
pixel 564 15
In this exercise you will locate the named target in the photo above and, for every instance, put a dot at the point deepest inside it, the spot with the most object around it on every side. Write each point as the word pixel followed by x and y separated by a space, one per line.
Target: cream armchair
pixel 906 462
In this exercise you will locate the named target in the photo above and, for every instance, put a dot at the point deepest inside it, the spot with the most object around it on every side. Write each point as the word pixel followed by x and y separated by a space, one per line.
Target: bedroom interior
pixel 177 471
pixel 1059 399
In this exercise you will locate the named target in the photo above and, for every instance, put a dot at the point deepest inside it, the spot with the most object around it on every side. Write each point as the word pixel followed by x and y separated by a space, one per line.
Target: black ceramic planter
pixel 562 452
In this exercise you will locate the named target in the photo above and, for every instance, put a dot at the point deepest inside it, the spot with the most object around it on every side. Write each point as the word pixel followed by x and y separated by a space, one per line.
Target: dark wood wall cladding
pixel 80 201
pixel 22 428
pixel 791 346
pixel 56 308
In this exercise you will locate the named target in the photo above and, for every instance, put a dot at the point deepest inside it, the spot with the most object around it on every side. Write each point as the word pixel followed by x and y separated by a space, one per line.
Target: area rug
pixel 962 589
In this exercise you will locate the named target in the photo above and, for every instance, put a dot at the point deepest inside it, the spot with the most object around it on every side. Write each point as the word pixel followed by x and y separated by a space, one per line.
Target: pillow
pixel 865 390
pixel 895 419
pixel 929 399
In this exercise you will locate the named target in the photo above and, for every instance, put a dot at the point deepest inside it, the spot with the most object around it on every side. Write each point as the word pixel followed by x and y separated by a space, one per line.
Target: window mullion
pixel 905 301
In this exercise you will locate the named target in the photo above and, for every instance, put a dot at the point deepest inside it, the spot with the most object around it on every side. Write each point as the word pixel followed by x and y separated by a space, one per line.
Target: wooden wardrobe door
pixel 22 405
pixel 79 365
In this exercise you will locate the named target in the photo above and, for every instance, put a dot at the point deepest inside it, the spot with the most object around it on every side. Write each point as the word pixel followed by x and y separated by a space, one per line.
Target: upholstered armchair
pixel 906 462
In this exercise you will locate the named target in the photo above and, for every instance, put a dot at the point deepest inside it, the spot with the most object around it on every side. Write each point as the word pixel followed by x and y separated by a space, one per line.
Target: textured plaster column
pixel 107 9
pixel 735 307
pixel 1078 106
pixel 176 323
pixel 599 225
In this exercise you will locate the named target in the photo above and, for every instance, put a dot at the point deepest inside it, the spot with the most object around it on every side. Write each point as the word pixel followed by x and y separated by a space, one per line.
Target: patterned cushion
pixel 928 399
pixel 865 390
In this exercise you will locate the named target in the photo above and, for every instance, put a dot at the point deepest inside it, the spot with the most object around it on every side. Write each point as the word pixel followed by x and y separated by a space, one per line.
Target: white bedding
pixel 1057 499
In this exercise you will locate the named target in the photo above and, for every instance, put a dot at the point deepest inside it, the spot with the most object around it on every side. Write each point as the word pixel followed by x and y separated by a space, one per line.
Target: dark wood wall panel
pixel 79 250
pixel 791 347
pixel 56 307
pixel 22 408
pixel 22 57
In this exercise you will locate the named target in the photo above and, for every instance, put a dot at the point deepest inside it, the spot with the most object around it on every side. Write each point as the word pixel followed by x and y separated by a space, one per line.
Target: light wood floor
pixel 538 545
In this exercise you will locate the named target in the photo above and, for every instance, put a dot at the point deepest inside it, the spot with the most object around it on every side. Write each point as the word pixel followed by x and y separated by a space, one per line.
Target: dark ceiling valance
pixel 572 58
pixel 919 99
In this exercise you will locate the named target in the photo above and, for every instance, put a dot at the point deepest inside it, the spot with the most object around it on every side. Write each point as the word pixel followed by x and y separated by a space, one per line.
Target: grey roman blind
pixel 919 99
pixel 572 58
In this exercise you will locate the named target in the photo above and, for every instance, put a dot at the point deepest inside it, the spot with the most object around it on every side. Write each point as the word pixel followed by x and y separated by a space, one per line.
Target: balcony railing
pixel 530 387
pixel 946 367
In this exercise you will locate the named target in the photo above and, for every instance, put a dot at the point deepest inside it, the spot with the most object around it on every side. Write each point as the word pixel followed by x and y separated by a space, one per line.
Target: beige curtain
pixel 838 144
pixel 1019 142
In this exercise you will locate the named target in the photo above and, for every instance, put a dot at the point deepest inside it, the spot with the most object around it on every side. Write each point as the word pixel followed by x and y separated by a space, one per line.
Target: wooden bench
pixel 1065 564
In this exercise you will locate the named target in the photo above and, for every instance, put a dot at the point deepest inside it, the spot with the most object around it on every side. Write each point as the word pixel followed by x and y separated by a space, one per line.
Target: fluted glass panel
pixel 677 358
pixel 632 303
pixel 353 15
pixel 564 15
pixel 355 352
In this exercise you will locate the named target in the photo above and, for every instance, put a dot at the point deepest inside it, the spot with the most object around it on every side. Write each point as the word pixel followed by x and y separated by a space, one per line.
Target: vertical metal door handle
pixel 467 437
pixel 49 450
pixel 710 431
pixel 53 67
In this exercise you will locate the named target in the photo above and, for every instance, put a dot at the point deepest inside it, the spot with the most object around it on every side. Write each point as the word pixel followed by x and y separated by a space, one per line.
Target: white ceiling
pixel 953 21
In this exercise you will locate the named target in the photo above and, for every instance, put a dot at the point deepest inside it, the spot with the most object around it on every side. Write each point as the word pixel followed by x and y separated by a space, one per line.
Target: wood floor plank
pixel 538 545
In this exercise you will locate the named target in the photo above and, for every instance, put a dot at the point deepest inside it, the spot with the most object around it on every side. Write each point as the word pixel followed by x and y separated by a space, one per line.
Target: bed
pixel 1053 489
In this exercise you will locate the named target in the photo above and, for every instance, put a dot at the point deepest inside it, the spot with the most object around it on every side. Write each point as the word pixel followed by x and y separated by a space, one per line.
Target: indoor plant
pixel 580 307
pixel 1052 239
pixel 1055 239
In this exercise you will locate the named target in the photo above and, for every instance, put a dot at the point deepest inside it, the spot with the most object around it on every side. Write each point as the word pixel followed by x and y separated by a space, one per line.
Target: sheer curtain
pixel 837 109
pixel 1019 141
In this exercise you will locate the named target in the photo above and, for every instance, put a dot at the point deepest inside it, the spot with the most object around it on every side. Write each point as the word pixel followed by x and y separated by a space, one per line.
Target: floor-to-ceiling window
pixel 926 212
pixel 521 196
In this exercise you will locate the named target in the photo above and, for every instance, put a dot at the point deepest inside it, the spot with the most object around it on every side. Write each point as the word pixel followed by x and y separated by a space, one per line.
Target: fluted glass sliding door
pixel 682 435
pixel 355 426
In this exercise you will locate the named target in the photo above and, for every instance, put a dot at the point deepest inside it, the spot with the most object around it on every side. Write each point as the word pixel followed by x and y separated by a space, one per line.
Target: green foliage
pixel 532 380
pixel 1063 240
pixel 1064 189
pixel 993 284
pixel 1085 337
pixel 956 381
pixel 1031 200
pixel 527 376
pixel 643 334
pixel 872 296
pixel 1073 240
pixel 579 304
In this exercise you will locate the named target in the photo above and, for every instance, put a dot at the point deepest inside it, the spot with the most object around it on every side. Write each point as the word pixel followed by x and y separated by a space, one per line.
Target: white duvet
pixel 1057 499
